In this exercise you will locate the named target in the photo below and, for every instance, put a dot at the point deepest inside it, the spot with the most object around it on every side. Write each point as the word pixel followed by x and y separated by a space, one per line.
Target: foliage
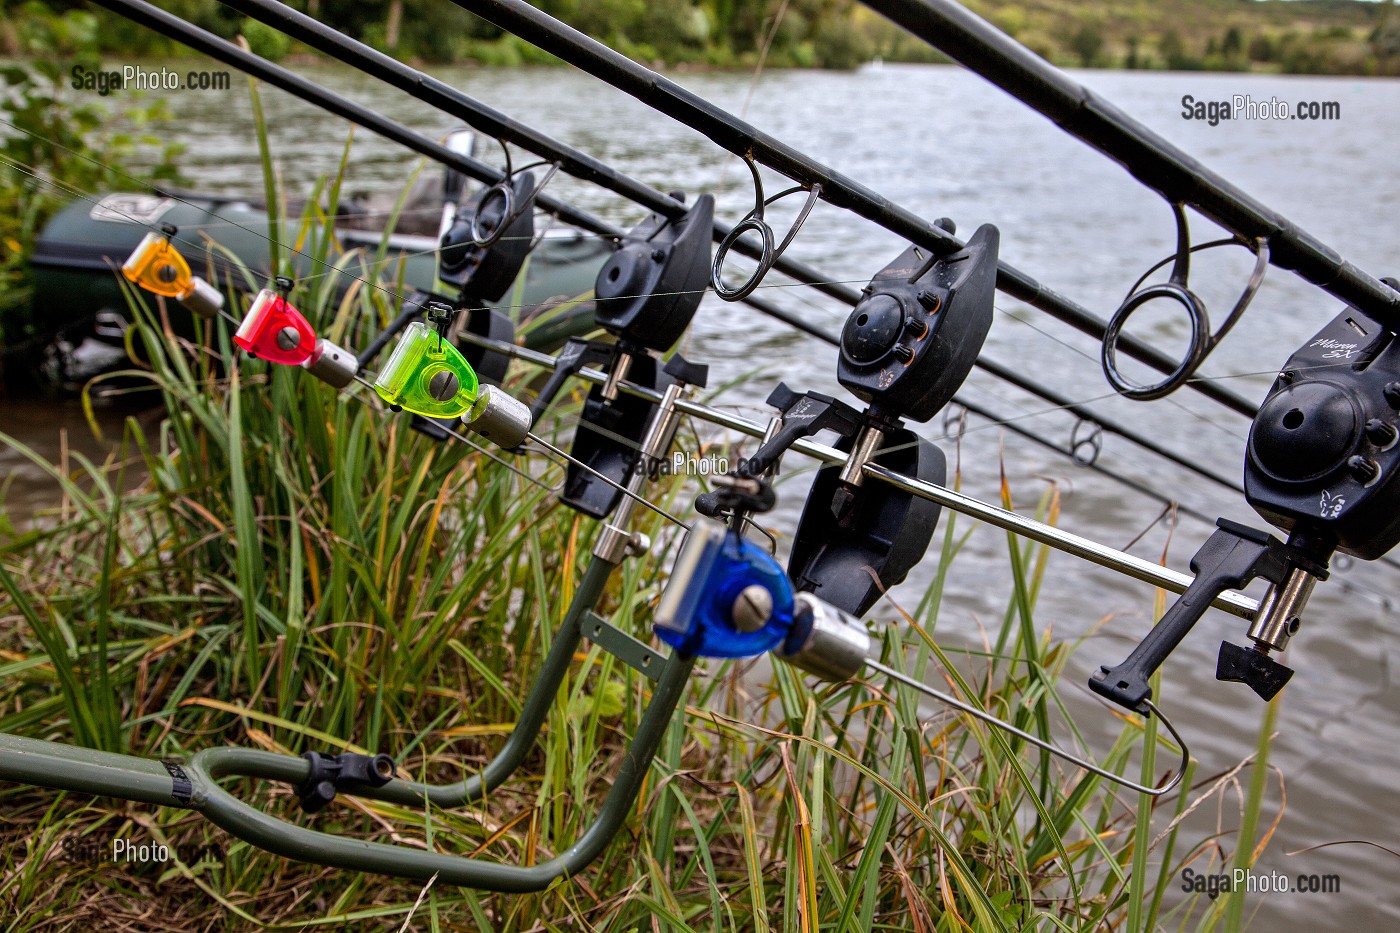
pixel 55 139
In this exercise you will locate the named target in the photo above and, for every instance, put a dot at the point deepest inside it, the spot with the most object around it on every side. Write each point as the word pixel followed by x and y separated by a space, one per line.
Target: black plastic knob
pixel 902 353
pixel 1362 469
pixel 1380 433
pixel 1392 394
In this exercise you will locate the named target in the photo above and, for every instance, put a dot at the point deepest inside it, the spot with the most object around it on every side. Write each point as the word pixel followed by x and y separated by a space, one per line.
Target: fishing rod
pixel 575 162
pixel 746 141
pixel 703 589
pixel 331 363
pixel 979 46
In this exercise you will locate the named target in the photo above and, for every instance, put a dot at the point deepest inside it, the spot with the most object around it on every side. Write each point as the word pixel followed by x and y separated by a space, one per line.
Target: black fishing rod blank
pixel 462 106
pixel 978 45
pixel 172 26
pixel 742 139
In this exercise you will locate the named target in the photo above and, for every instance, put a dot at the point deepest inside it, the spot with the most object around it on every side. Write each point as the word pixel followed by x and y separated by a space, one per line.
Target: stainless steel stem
pixel 615 541
pixel 867 443
pixel 1058 752
pixel 1281 610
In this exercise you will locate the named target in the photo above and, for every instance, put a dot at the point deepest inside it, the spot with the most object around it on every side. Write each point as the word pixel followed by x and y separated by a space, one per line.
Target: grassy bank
pixel 278 566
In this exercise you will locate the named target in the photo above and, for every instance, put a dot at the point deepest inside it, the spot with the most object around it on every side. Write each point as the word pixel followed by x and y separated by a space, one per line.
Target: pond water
pixel 944 143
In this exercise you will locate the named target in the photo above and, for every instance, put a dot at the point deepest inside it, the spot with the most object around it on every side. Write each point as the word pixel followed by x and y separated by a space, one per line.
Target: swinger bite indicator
pixel 426 374
pixel 729 598
pixel 276 331
pixel 157 266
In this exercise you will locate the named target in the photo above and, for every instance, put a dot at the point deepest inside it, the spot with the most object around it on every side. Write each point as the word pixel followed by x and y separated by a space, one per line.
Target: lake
pixel 943 142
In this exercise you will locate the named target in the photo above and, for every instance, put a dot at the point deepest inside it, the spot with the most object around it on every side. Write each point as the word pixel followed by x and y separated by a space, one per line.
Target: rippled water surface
pixel 944 143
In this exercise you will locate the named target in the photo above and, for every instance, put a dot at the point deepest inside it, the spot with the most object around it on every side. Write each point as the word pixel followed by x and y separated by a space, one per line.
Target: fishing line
pixel 1176 458
pixel 389 292
pixel 447 99
pixel 1176 403
pixel 618 486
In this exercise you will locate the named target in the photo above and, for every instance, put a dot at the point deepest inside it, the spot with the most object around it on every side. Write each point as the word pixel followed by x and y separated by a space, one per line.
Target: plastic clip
pixel 427 375
pixel 728 598
pixel 275 330
pixel 157 266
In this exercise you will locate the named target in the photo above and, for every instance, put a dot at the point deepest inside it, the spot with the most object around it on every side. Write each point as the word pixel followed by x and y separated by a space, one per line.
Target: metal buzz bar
pixel 276 330
pixel 1087 549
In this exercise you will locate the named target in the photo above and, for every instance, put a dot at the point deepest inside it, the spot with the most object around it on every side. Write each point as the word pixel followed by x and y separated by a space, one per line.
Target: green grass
pixel 279 566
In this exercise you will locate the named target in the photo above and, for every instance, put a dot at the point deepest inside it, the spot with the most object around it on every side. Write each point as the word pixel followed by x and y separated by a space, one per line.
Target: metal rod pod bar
pixel 1138 568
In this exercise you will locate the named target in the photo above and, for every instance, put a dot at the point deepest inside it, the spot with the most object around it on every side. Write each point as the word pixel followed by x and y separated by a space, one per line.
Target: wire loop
pixel 1092 439
pixel 753 221
pixel 1202 342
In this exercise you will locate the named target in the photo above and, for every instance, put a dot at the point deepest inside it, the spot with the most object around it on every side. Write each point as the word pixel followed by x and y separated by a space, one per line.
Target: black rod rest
pixel 1231 557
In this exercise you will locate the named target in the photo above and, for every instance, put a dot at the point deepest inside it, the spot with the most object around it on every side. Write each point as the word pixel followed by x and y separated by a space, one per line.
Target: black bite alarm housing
pixel 911 341
pixel 648 291
pixel 1322 455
